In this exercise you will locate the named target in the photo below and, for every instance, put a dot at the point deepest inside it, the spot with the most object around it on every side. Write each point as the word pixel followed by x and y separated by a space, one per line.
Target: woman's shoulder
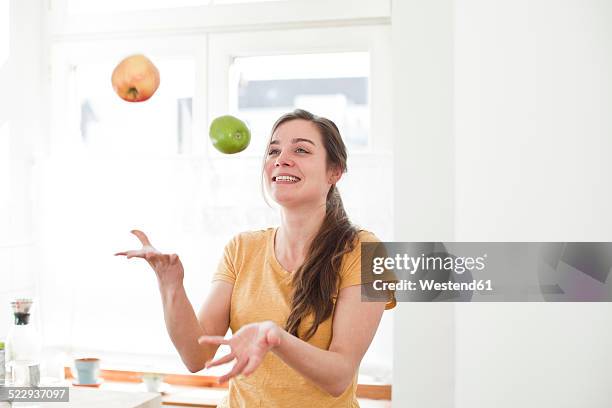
pixel 366 236
pixel 350 270
pixel 253 236
pixel 363 236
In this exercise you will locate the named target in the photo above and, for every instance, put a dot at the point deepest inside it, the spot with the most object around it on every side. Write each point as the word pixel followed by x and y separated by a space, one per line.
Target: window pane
pixel 333 85
pixel 160 125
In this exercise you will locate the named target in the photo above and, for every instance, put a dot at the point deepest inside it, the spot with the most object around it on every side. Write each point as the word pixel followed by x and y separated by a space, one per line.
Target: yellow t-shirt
pixel 262 291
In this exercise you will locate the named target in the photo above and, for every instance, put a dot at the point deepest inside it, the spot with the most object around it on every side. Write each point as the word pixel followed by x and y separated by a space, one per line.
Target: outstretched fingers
pixel 142 237
pixel 221 360
pixel 137 253
pixel 237 369
pixel 254 362
pixel 146 251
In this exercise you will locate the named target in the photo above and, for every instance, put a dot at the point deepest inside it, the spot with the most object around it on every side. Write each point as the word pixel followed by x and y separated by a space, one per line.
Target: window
pixel 334 85
pixel 109 125
pixel 116 166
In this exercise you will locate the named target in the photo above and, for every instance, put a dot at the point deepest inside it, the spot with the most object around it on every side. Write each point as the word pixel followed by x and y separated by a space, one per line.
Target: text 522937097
pixel 34 394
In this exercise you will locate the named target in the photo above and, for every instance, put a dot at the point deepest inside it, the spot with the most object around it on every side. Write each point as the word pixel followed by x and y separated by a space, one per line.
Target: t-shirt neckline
pixel 272 254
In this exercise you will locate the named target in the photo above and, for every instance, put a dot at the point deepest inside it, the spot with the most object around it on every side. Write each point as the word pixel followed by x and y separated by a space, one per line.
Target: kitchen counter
pixel 202 397
pixel 118 394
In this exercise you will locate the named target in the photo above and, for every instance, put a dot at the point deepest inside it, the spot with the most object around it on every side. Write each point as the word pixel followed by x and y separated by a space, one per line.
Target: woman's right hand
pixel 167 267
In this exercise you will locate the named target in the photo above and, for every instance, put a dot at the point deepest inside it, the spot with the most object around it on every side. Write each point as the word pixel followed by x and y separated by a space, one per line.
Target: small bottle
pixel 2 365
pixel 23 348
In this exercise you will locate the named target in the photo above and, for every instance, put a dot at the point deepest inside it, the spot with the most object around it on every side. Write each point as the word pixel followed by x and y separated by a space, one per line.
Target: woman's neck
pixel 298 228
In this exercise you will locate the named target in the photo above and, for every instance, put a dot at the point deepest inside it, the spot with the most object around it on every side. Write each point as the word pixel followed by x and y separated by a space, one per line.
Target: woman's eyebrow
pixel 301 139
pixel 296 140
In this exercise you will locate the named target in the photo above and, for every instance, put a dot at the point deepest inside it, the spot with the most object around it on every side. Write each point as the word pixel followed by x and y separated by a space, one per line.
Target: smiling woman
pixel 291 295
pixel 301 161
pixel 308 284
pixel 193 198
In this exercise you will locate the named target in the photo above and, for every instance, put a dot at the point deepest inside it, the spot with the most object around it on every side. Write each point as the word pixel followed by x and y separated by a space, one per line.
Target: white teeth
pixel 287 178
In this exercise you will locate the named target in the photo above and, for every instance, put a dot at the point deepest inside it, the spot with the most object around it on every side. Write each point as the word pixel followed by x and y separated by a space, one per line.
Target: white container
pixel 153 381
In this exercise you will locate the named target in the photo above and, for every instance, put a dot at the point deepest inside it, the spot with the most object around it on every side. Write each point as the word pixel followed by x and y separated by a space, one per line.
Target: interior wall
pixel 502 113
pixel 422 47
pixel 533 130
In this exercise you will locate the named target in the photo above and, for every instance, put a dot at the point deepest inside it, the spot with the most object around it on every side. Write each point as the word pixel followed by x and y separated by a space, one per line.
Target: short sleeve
pixel 350 273
pixel 226 270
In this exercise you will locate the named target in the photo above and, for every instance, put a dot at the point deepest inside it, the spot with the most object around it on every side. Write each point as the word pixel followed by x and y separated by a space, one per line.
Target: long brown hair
pixel 315 282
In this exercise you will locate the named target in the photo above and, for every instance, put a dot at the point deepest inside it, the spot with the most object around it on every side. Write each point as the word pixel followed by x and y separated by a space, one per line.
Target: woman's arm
pixel 182 324
pixel 354 325
pixel 184 327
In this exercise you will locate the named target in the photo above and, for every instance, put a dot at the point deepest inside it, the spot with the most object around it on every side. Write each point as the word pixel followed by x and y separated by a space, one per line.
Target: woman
pixel 282 291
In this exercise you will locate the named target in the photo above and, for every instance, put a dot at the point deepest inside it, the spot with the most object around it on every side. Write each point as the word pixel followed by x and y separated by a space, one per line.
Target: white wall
pixel 531 97
pixel 422 31
pixel 20 111
pixel 533 133
pixel 533 104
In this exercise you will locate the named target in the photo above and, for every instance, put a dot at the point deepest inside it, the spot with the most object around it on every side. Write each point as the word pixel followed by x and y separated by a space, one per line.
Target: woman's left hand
pixel 249 346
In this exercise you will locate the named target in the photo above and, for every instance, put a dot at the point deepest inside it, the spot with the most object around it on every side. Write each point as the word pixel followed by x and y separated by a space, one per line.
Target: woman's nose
pixel 283 160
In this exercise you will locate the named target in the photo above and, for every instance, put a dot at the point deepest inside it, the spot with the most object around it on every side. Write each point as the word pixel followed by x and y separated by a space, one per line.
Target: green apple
pixel 229 134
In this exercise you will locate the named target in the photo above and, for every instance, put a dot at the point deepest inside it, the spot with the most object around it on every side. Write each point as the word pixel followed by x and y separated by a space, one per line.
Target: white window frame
pixel 224 47
pixel 219 17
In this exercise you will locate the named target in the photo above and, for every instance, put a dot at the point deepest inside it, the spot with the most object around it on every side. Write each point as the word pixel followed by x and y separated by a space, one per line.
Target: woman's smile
pixel 285 179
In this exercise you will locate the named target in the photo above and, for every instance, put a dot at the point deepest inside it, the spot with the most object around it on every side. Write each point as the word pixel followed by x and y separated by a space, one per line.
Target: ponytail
pixel 315 282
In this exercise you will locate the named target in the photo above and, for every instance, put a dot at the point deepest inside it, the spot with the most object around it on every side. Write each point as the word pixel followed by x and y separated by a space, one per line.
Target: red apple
pixel 135 79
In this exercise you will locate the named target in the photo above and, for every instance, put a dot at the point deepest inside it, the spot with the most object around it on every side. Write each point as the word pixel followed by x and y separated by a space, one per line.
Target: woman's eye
pixel 297 150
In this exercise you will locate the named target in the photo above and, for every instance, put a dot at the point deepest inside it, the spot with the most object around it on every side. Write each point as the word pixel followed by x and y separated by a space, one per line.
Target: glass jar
pixel 23 348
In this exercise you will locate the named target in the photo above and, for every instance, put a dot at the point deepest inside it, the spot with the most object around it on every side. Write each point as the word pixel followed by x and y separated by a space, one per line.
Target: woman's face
pixel 295 168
